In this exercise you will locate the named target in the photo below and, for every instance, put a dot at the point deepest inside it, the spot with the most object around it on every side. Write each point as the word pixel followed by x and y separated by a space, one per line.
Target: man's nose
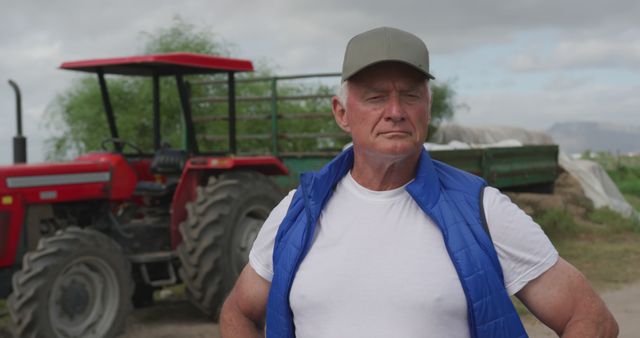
pixel 395 111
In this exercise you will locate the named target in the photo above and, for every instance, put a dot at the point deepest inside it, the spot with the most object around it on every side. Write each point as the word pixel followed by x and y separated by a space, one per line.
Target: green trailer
pixel 276 117
pixel 528 168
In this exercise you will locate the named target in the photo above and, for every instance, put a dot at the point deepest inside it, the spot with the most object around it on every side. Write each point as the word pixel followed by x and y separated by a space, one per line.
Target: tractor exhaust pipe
pixel 19 141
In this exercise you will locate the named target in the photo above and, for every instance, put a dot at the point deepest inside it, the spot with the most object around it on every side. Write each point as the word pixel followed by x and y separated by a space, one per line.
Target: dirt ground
pixel 168 319
pixel 176 318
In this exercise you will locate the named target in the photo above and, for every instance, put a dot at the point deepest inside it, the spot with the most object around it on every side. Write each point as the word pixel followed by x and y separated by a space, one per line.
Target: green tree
pixel 78 117
pixel 443 105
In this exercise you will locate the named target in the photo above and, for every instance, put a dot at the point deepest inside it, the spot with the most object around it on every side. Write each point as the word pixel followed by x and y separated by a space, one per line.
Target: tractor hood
pixel 91 176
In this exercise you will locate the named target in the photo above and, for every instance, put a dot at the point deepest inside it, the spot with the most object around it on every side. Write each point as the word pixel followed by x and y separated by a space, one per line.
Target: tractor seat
pixel 168 161
pixel 145 188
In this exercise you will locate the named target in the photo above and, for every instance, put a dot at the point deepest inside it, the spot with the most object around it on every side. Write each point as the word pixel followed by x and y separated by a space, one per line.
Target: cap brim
pixel 348 76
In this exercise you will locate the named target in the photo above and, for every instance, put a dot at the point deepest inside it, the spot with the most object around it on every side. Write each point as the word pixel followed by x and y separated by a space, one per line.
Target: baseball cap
pixel 385 44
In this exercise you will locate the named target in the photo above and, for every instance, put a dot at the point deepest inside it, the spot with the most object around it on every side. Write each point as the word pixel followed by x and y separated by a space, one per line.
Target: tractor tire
pixel 76 283
pixel 218 234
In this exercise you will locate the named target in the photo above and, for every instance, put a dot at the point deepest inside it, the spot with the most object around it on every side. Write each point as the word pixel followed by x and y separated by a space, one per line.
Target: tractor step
pixel 156 268
pixel 153 257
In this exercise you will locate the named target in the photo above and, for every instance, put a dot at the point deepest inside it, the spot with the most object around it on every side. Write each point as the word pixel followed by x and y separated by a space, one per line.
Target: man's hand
pixel 243 313
pixel 563 299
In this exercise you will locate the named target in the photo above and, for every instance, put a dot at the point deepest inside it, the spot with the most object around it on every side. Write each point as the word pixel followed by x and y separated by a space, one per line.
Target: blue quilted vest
pixel 450 197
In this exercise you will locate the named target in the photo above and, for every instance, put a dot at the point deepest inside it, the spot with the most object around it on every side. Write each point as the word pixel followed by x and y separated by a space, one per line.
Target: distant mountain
pixel 576 137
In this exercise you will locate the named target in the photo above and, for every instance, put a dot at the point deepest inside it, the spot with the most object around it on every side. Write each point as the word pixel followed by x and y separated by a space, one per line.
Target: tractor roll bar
pixel 156 111
pixel 111 119
pixel 192 146
pixel 232 113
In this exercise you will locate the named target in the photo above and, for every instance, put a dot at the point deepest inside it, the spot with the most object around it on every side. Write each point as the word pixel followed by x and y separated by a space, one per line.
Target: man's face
pixel 387 110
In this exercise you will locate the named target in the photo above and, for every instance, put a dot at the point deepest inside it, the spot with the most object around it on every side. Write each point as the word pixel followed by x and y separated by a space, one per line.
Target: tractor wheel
pixel 218 234
pixel 76 283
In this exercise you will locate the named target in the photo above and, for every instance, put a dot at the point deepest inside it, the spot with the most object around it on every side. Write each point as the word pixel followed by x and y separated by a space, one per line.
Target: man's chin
pixel 399 150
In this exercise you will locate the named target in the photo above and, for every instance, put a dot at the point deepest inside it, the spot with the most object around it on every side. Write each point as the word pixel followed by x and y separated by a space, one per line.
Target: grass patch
pixel 634 200
pixel 613 222
pixel 520 308
pixel 627 179
pixel 605 246
pixel 623 170
pixel 557 223
pixel 608 261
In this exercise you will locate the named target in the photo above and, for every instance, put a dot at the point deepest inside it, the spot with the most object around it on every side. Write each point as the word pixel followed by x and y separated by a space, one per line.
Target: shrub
pixel 557 222
pixel 613 221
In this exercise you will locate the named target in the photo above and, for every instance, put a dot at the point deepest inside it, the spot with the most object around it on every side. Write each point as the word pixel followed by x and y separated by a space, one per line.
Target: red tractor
pixel 84 240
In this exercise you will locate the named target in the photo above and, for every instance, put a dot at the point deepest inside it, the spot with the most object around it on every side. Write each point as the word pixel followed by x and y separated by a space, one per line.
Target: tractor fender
pixel 198 169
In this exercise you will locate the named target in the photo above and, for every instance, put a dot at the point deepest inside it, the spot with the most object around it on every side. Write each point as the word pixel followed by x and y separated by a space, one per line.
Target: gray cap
pixel 385 44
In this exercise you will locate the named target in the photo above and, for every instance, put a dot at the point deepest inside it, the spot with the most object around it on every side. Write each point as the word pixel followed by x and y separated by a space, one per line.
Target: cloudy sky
pixel 526 63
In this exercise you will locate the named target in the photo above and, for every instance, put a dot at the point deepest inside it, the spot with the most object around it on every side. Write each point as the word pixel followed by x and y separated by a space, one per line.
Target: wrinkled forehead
pixel 389 73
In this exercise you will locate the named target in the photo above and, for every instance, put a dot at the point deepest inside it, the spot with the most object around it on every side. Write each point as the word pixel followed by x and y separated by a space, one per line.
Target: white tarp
pixel 597 185
pixel 461 145
pixel 487 135
pixel 595 182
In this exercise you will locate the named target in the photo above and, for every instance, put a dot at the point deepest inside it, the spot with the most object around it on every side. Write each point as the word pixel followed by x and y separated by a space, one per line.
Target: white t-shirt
pixel 378 266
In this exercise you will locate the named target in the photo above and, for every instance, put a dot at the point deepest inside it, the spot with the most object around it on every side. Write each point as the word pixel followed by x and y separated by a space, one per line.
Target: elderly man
pixel 385 242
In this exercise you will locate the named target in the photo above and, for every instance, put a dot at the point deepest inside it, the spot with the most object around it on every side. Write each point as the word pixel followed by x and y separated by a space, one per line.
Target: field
pixel 605 246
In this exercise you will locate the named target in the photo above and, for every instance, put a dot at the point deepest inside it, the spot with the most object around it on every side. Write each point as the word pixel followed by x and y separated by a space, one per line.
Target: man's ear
pixel 340 114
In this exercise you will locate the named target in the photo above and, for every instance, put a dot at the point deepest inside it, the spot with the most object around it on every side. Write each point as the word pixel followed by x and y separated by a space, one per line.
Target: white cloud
pixel 564 82
pixel 587 53
pixel 539 109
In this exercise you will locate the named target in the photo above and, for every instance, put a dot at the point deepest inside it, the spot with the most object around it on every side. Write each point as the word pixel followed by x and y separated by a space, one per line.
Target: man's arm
pixel 563 299
pixel 243 313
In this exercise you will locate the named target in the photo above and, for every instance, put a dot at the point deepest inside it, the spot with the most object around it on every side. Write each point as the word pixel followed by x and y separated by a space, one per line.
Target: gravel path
pixel 179 319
